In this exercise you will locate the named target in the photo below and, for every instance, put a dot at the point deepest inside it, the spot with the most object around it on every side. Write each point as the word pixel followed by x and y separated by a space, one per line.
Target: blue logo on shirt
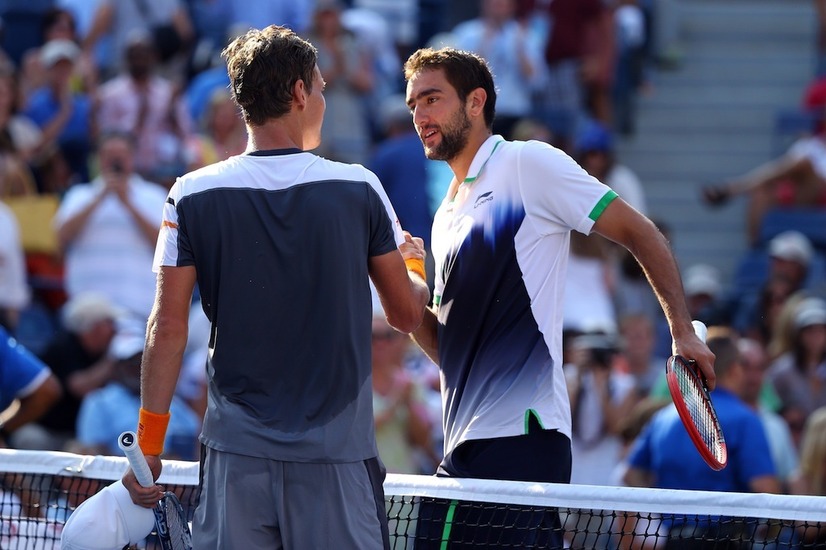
pixel 483 198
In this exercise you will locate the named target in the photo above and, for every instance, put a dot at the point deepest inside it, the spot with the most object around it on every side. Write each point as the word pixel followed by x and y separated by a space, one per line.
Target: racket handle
pixel 700 329
pixel 128 443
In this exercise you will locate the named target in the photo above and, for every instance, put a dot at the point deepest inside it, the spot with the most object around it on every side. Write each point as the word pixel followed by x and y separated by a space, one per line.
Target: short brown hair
pixel 465 71
pixel 263 67
pixel 722 341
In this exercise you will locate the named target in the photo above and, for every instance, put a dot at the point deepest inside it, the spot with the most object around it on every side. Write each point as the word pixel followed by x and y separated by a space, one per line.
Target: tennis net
pixel 39 490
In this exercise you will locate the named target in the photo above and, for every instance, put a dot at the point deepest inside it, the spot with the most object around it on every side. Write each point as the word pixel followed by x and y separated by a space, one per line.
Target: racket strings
pixel 699 409
pixel 178 529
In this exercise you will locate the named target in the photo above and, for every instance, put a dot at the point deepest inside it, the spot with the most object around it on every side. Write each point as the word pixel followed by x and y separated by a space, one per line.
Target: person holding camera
pixel 107 230
pixel 601 396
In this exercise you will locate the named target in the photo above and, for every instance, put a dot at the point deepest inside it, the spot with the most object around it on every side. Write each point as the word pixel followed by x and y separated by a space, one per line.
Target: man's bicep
pixel 622 224
pixel 174 289
pixel 390 278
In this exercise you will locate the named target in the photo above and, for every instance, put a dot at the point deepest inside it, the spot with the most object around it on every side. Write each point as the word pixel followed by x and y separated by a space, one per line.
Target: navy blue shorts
pixel 540 456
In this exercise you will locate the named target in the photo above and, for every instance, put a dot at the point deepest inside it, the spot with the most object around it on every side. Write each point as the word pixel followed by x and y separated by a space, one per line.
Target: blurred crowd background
pixel 103 103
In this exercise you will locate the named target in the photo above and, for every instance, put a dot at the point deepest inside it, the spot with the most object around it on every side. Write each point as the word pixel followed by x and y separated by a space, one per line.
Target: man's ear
pixel 476 101
pixel 300 94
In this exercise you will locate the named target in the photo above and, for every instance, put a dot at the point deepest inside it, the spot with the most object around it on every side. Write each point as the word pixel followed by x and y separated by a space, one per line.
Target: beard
pixel 455 135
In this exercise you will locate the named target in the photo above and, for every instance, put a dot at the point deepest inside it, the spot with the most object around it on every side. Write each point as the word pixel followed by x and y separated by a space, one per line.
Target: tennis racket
pixel 173 529
pixel 690 395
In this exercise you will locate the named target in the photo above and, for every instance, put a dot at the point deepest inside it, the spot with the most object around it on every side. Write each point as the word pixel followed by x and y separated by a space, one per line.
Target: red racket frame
pixel 679 402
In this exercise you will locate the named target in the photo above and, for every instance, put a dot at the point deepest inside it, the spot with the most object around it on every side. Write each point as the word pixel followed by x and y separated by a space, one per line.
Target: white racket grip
pixel 128 443
pixel 700 329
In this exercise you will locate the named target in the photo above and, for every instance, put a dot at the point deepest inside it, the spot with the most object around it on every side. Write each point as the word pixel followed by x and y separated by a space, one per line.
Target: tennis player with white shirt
pixel 281 243
pixel 500 243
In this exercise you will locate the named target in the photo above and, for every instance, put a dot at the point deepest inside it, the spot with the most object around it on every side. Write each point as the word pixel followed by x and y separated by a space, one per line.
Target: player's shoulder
pixel 337 170
pixel 537 147
pixel 531 152
pixel 207 177
pixel 526 159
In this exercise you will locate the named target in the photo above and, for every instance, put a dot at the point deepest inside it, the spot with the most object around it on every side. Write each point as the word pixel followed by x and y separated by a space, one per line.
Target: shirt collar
pixel 274 152
pixel 482 156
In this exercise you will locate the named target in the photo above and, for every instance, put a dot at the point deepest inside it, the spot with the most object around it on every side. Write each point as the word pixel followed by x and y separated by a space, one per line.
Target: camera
pixel 600 347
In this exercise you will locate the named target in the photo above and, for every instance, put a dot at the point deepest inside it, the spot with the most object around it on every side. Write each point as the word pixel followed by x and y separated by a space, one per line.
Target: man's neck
pixel 460 164
pixel 274 134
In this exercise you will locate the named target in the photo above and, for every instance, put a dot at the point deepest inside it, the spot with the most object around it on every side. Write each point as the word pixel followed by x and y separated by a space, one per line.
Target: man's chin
pixel 434 154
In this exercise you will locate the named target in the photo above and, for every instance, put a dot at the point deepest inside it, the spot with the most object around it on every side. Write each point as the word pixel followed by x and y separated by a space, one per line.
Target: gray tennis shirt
pixel 280 241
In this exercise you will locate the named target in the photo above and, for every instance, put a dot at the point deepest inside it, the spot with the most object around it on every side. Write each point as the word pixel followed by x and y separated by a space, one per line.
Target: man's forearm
pixel 660 268
pixel 161 365
pixel 426 336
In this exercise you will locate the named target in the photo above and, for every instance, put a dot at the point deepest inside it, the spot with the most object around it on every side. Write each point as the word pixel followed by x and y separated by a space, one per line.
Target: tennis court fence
pixel 39 490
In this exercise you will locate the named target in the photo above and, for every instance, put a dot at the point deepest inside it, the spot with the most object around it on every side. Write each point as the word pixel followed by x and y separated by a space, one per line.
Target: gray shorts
pixel 256 503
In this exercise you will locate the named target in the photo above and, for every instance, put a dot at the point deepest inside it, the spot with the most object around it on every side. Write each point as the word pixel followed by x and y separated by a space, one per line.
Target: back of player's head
pixel 722 341
pixel 465 71
pixel 263 67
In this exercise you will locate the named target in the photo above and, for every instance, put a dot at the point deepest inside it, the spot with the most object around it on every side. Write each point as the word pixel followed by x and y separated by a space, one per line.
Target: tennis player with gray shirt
pixel 281 243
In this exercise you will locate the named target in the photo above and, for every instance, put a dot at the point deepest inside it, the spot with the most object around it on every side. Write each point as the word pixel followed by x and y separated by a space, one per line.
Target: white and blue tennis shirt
pixel 501 258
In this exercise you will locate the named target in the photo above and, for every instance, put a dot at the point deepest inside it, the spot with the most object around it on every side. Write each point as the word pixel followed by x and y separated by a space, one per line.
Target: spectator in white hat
pixel 63 113
pixel 703 287
pixel 790 257
pixel 77 354
pixel 799 373
pixel 791 254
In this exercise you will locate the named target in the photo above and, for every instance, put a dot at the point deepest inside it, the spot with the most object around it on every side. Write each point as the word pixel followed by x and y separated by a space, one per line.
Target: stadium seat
pixel 809 221
pixel 789 125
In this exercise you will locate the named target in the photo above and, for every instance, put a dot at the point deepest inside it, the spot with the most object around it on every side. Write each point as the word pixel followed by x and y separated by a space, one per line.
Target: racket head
pixel 173 528
pixel 693 403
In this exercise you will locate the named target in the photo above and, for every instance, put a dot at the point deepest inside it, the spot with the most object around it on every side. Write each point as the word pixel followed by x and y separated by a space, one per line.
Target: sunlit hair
pixel 813 452
pixel 263 67
pixel 465 71
pixel 722 341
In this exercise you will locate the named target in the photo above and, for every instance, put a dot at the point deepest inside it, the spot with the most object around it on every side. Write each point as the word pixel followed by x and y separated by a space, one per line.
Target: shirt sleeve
pixel 558 194
pixel 172 248
pixel 386 232
pixel 21 373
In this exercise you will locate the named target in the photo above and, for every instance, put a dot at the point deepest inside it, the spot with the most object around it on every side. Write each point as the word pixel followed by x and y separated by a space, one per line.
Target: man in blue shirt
pixel 63 114
pixel 664 456
pixel 25 378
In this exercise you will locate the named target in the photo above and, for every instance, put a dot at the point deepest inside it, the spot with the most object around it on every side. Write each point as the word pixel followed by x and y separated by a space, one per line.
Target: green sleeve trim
pixel 451 511
pixel 602 204
pixel 528 414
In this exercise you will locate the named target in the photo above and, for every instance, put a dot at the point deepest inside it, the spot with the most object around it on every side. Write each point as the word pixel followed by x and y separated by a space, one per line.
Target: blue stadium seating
pixel 809 221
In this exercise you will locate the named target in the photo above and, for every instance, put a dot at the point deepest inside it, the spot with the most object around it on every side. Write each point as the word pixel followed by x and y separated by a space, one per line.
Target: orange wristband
pixel 152 431
pixel 416 266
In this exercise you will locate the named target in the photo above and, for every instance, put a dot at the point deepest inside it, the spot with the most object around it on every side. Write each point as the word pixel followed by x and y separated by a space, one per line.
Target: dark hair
pixel 263 67
pixel 722 341
pixel 465 71
pixel 50 18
